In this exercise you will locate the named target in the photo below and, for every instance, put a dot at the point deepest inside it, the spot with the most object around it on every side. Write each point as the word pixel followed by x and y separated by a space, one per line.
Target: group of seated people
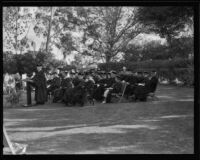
pixel 71 87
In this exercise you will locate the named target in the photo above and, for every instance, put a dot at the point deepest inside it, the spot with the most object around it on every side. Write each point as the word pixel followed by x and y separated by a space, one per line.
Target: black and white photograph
pixel 98 80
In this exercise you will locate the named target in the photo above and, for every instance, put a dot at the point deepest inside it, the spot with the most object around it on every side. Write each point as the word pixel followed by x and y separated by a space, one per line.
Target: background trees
pixel 109 30
pixel 16 25
pixel 96 34
pixel 168 22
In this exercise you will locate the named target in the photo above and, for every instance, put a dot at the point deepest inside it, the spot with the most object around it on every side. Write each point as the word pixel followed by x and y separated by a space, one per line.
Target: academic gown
pixel 40 87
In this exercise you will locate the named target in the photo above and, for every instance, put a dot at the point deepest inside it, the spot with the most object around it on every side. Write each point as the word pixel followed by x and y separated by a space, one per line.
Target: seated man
pixel 75 95
pixel 90 86
pixel 115 88
pixel 66 83
pixel 49 83
pixel 132 80
pixel 152 84
pixel 146 87
pixel 140 92
pixel 100 87
pixel 77 78
pixel 54 84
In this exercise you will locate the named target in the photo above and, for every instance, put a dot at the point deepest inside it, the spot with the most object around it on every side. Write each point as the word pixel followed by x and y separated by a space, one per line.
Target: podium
pixel 28 94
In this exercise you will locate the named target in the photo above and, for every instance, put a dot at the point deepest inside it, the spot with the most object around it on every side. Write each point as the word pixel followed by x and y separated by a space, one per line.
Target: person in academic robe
pixel 115 88
pixel 77 94
pixel 153 82
pixel 100 86
pixel 66 85
pixel 142 88
pixel 54 83
pixel 39 81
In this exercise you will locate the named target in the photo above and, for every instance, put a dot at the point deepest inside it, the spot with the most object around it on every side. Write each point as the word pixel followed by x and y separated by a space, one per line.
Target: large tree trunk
pixel 49 31
pixel 16 42
pixel 108 56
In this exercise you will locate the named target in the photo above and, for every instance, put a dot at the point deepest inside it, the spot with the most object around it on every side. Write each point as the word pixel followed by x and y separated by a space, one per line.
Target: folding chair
pixel 121 94
pixel 124 85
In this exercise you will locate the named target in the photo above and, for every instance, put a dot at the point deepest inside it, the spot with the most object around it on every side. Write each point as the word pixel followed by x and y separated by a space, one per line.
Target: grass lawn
pixel 164 126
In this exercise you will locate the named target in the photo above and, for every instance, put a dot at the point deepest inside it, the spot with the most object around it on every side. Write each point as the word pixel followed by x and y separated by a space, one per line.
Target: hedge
pixel 184 74
pixel 176 68
pixel 154 64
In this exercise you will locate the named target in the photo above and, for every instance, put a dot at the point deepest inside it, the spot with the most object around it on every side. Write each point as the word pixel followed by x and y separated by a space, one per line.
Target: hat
pixel 113 72
pixel 108 73
pixel 87 73
pixel 54 73
pixel 29 74
pixel 60 68
pixel 103 73
pixel 39 65
pixel 99 72
pixel 146 72
pixel 118 77
pixel 80 73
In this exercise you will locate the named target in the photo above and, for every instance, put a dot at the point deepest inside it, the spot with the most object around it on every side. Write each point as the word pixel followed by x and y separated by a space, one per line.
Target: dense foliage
pixel 176 68
pixel 148 65
pixel 26 63
pixel 167 21
pixel 180 47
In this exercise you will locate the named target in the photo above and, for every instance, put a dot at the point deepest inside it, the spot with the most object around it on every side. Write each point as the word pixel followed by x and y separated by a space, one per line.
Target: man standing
pixel 39 81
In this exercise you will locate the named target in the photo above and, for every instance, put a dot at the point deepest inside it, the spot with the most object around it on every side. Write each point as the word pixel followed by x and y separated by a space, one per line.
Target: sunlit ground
pixel 164 126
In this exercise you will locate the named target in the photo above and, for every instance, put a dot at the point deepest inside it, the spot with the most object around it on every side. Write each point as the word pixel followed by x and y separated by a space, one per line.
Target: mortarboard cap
pixel 39 65
pixel 113 72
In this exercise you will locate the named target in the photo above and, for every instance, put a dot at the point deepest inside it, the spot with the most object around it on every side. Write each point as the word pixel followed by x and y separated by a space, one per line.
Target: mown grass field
pixel 164 126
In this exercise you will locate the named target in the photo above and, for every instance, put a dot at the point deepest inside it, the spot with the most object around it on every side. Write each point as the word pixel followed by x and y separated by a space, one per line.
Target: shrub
pixel 185 75
pixel 13 97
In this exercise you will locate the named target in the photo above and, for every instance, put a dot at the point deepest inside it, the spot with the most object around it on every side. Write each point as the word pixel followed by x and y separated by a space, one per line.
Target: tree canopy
pixel 167 21
pixel 96 34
